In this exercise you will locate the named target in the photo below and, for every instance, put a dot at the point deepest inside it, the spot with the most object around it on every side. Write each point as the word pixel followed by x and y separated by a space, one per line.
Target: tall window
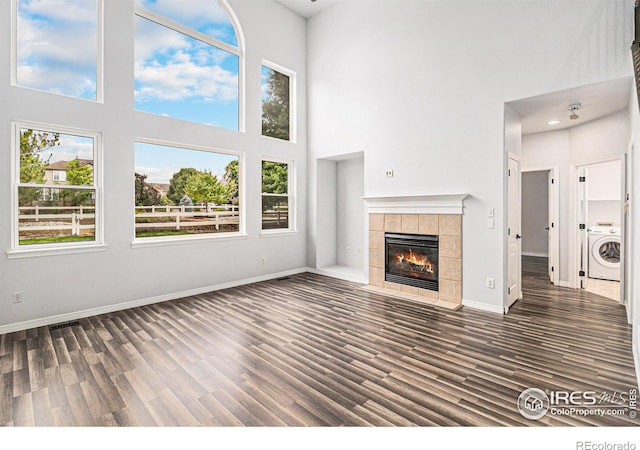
pixel 182 192
pixel 58 46
pixel 277 103
pixel 187 62
pixel 57 186
pixel 276 203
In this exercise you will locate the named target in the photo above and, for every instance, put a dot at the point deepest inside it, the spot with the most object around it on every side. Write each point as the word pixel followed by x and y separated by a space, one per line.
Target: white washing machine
pixel 604 253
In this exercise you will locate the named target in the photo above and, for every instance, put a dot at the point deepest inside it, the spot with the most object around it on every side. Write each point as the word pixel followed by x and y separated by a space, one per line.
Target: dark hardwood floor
pixel 314 351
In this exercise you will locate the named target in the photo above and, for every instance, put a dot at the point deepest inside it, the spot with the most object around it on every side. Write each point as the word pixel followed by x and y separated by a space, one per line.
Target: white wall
pixel 594 141
pixel 604 181
pixel 350 214
pixel 535 213
pixel 420 87
pixel 58 285
pixel 633 186
pixel 327 214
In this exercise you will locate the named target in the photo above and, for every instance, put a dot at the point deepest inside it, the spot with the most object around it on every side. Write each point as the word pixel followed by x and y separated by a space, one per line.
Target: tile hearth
pixel 449 229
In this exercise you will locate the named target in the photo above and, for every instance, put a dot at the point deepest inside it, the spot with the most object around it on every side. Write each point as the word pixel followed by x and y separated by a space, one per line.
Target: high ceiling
pixel 307 8
pixel 597 100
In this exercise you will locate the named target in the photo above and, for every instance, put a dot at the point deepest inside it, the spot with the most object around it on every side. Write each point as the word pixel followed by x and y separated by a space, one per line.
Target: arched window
pixel 188 61
pixel 58 47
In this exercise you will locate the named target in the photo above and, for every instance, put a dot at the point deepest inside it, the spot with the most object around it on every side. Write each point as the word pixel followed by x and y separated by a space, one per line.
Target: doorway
pixel 540 213
pixel 600 219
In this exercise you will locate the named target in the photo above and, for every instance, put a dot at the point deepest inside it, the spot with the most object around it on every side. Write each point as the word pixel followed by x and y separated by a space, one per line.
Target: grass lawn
pixel 141 234
pixel 55 240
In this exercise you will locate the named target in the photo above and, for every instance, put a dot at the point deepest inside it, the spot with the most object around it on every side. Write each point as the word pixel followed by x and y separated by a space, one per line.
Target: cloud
pixel 206 16
pixel 172 67
pixel 57 46
pixel 68 11
pixel 156 174
pixel 71 147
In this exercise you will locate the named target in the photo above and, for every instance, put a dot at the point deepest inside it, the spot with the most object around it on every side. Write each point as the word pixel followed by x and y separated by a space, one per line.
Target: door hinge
pixel 582 226
pixel 508 231
pixel 582 179
pixel 508 291
pixel 552 225
pixel 581 273
pixel 509 172
pixel 552 269
pixel 553 181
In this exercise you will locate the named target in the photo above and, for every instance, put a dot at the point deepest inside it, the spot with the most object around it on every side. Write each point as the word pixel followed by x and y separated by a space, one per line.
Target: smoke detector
pixel 573 108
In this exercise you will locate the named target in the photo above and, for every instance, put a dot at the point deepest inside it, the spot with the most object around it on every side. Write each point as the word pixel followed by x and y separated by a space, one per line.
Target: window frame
pixel 293 135
pixel 99 55
pixel 158 241
pixel 35 250
pixel 209 40
pixel 290 195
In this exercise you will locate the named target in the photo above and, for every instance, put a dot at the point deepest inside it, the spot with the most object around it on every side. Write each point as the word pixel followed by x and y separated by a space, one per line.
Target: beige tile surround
pixel 449 229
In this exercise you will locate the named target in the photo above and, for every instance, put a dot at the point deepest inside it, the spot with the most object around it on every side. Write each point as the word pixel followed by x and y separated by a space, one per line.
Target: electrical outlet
pixel 388 173
pixel 491 284
pixel 263 260
pixel 16 297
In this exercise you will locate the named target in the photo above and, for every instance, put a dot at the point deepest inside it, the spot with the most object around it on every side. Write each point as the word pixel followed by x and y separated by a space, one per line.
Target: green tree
pixel 78 174
pixel 145 195
pixel 275 180
pixel 204 187
pixel 275 177
pixel 178 182
pixel 275 106
pixel 32 144
pixel 230 180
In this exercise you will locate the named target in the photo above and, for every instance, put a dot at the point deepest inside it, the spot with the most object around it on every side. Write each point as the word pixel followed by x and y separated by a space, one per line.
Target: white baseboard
pixel 539 255
pixel 482 306
pixel 341 273
pixel 564 284
pixel 28 324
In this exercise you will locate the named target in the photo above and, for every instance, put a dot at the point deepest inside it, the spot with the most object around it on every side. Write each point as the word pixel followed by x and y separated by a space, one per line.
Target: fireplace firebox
pixel 412 259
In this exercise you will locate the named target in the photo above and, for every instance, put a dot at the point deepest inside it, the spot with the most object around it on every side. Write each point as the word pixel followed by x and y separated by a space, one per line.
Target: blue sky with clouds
pixel 57 46
pixel 160 162
pixel 182 77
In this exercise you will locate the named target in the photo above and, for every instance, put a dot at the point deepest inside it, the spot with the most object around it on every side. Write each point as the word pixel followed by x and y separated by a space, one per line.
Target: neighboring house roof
pixel 161 187
pixel 62 165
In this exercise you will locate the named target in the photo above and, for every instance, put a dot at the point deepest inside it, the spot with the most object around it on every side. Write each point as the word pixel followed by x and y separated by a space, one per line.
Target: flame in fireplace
pixel 417 263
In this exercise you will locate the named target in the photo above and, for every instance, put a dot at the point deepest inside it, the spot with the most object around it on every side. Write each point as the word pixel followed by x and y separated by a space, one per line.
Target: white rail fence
pixel 180 217
pixel 58 218
pixel 43 218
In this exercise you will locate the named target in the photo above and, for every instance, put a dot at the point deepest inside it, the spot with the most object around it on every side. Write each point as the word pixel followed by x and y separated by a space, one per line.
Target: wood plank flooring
pixel 314 351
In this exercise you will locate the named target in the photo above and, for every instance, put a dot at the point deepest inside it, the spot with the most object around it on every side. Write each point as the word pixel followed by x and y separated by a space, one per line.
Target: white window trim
pixel 293 100
pixel 291 189
pixel 158 241
pixel 99 54
pixel 34 250
pixel 207 39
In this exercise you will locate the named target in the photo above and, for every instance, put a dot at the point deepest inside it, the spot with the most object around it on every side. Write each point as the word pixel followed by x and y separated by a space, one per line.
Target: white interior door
pixel 514 242
pixel 583 240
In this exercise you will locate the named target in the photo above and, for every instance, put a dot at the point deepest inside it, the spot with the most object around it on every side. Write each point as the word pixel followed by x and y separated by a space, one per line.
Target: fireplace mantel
pixel 416 204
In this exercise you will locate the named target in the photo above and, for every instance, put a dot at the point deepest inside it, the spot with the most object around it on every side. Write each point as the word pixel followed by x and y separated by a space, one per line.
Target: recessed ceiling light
pixel 553 122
